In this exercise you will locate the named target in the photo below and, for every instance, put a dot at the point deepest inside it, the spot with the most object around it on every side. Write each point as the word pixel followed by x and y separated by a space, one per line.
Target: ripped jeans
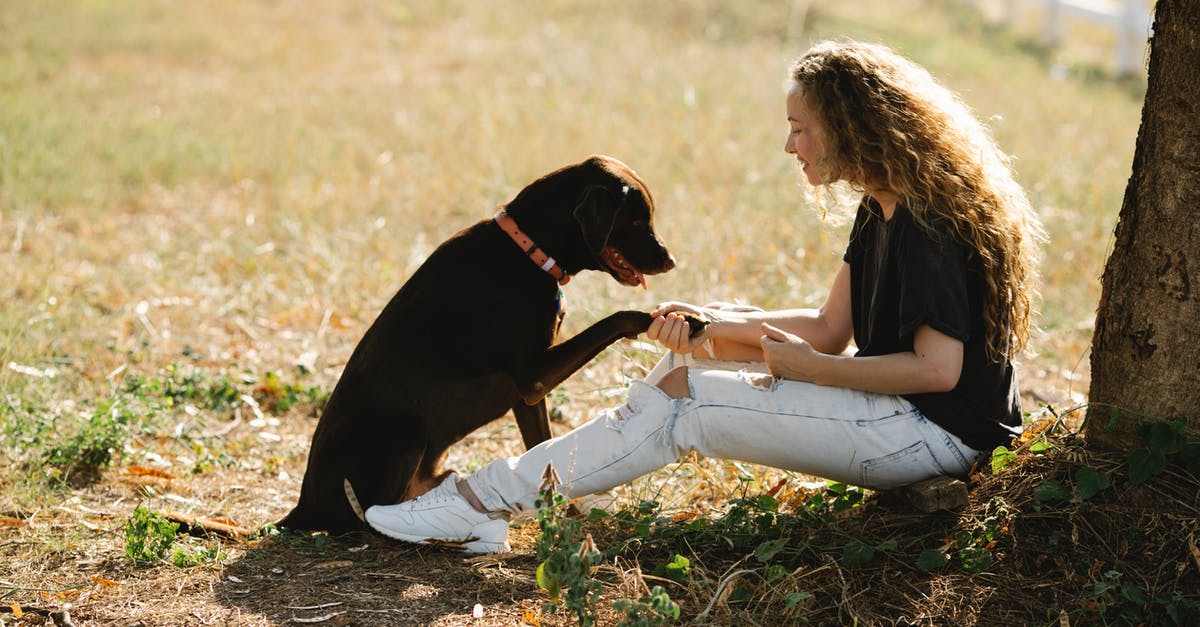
pixel 860 438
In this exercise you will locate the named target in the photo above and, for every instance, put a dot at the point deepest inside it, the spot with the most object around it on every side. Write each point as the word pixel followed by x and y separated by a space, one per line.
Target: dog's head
pixel 594 215
pixel 615 213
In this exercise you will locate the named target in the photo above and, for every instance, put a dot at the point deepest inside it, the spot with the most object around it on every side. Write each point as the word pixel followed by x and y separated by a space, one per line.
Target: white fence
pixel 1128 19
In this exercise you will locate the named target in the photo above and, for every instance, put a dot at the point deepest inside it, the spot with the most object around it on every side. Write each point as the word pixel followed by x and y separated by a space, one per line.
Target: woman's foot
pixel 443 517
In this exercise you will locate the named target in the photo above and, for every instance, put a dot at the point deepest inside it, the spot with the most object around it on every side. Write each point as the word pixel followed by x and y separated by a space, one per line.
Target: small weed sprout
pixel 567 557
pixel 655 609
pixel 148 536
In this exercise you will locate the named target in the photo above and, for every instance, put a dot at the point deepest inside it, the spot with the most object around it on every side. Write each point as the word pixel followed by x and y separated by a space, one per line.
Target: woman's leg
pixel 860 438
pixel 856 437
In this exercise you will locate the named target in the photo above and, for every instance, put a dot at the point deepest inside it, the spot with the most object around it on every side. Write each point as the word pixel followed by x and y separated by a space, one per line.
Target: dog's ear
pixel 596 213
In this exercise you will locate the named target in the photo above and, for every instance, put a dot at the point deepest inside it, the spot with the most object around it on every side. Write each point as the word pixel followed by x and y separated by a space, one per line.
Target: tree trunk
pixel 1146 346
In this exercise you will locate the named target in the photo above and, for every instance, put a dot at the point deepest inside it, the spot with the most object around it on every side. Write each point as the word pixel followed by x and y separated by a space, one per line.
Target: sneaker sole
pixel 469 544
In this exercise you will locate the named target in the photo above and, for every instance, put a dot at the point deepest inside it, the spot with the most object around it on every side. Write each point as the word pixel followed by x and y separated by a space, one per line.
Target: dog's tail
pixel 352 498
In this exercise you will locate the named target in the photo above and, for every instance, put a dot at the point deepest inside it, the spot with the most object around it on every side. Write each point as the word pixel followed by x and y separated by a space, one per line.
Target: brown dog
pixel 472 335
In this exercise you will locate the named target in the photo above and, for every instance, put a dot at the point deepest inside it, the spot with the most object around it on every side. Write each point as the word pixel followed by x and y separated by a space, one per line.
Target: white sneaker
pixel 443 517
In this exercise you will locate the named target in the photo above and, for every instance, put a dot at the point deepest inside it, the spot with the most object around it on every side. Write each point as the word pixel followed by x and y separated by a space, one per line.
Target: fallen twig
pixel 202 526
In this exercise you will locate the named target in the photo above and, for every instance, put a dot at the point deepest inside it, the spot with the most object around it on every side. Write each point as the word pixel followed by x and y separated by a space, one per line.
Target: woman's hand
pixel 671 329
pixel 789 356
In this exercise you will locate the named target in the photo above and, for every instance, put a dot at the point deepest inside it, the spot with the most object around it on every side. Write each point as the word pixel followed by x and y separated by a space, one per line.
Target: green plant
pixel 1165 442
pixel 976 542
pixel 1128 603
pixel 751 525
pixel 177 384
pixel 1001 459
pixel 148 536
pixel 95 444
pixel 932 559
pixel 567 557
pixel 185 557
pixel 656 609
pixel 676 570
pixel 278 396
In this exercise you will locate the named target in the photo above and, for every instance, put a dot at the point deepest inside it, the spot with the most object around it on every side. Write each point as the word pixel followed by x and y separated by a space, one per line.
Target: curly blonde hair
pixel 890 125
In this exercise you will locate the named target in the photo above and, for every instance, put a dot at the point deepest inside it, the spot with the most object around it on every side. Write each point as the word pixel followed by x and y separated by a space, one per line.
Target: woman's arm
pixel 934 365
pixel 828 329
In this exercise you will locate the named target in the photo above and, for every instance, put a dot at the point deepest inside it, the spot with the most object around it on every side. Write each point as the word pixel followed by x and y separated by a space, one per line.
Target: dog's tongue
pixel 642 281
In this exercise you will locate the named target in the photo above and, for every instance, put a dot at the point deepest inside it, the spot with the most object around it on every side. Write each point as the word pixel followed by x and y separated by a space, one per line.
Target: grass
pixel 203 205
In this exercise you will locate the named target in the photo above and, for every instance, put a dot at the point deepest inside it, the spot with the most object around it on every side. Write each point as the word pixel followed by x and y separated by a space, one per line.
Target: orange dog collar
pixel 537 255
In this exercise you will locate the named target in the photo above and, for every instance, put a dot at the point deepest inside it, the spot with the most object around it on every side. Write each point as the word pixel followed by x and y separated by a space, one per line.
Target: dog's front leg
pixel 560 361
pixel 534 422
pixel 549 368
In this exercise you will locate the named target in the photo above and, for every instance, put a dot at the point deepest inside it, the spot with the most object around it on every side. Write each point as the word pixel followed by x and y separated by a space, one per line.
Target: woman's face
pixel 804 137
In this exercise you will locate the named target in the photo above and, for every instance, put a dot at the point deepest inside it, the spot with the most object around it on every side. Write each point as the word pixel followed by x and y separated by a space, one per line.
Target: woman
pixel 935 290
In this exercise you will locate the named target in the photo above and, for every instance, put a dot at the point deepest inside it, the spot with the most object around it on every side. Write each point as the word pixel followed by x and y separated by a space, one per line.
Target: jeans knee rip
pixel 760 381
pixel 615 417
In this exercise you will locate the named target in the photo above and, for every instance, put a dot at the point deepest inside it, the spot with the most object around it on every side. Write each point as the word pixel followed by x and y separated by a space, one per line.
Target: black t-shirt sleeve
pixel 933 286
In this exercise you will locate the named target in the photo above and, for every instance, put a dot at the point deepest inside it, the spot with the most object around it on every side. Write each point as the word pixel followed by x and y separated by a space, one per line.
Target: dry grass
pixel 240 186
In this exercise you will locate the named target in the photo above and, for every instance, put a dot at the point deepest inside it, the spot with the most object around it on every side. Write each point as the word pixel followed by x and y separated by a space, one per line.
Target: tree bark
pixel 1146 346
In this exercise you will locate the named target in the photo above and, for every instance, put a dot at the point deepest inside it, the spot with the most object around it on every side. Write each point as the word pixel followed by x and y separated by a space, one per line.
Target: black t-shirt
pixel 901 277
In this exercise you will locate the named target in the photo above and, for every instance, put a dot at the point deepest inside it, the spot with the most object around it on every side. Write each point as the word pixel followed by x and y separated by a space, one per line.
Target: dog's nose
pixel 669 264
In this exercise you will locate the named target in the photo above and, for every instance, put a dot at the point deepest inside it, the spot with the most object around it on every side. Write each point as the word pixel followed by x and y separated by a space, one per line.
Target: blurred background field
pixel 239 187
pixel 247 170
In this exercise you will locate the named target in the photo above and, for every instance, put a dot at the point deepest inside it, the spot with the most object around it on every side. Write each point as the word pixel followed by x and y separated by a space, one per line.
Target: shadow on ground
pixel 364 579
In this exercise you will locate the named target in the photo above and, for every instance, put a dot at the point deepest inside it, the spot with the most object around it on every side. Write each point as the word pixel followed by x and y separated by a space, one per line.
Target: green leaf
pixel 932 559
pixel 1144 464
pixel 1002 458
pixel 767 502
pixel 1165 437
pixel 647 507
pixel 769 549
pixel 1051 491
pixel 796 598
pixel 1040 447
pixel 676 570
pixel 547 583
pixel 1134 594
pixel 1089 482
pixel 597 514
pixel 1110 582
pixel 857 553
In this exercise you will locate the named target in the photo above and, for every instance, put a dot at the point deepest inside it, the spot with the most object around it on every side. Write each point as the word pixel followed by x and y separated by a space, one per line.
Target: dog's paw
pixel 696 324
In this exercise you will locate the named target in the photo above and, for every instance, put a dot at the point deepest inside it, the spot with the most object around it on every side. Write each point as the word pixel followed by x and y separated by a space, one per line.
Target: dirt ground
pixel 65 564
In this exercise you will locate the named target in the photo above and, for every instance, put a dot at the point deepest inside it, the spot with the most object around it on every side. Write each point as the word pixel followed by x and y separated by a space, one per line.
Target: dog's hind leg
pixel 534 422
pixel 427 475
pixel 384 476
